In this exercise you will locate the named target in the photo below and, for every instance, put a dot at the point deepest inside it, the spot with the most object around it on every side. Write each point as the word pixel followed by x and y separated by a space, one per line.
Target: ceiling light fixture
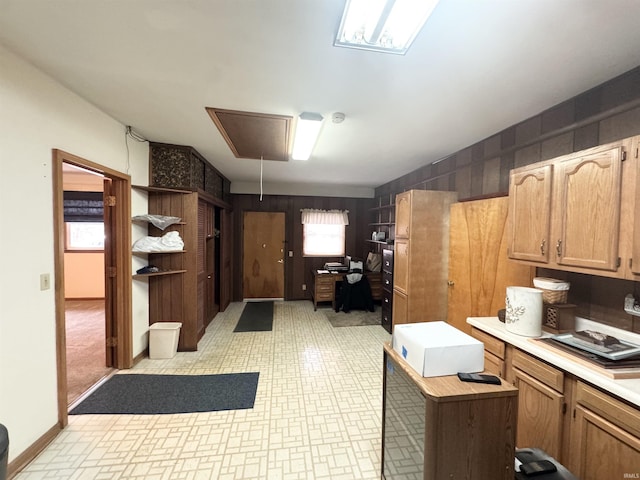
pixel 388 26
pixel 307 131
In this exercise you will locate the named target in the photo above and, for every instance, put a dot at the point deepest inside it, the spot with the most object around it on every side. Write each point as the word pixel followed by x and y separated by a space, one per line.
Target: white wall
pixel 37 114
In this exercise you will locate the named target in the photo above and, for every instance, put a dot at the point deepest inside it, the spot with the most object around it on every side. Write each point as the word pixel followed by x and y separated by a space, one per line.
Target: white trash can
pixel 163 339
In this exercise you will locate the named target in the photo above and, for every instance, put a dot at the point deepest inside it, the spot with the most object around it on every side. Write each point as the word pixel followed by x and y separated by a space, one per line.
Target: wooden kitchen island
pixel 440 428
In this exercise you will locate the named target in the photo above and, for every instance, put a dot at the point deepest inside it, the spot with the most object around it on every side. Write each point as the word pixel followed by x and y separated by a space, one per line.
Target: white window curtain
pixel 324 217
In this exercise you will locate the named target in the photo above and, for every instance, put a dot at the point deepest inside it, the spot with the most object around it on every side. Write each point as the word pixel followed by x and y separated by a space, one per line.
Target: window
pixel 84 236
pixel 323 232
pixel 323 240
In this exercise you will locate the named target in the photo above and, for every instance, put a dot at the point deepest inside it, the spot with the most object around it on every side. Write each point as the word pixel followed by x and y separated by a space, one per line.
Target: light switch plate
pixel 45 281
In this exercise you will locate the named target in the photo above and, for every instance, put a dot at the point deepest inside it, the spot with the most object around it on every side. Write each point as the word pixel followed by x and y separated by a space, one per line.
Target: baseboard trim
pixel 84 298
pixel 22 460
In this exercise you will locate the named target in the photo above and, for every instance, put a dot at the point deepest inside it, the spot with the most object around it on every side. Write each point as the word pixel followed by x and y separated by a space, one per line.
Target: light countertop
pixel 627 389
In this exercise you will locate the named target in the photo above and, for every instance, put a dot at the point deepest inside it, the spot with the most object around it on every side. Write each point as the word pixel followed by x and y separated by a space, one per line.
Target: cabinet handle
pixel 559 248
pixel 542 245
pixel 450 283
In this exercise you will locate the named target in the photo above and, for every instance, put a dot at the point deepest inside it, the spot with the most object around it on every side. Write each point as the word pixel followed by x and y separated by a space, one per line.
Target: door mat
pixel 256 317
pixel 142 394
pixel 355 318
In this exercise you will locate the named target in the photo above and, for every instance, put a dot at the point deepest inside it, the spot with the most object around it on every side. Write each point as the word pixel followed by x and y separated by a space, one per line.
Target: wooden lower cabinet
pixel 605 436
pixel 593 434
pixel 540 415
pixel 323 289
pixel 440 428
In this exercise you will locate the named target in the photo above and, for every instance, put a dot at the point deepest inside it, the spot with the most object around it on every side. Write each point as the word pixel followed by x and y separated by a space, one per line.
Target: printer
pixel 336 267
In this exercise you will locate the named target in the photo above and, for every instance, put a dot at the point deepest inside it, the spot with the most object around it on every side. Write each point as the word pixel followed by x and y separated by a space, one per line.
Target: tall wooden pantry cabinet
pixel 421 256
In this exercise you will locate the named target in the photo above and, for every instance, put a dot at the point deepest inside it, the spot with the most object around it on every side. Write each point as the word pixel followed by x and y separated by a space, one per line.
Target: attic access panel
pixel 254 135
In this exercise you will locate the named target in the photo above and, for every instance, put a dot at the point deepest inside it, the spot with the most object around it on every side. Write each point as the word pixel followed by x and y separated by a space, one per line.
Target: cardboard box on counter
pixel 434 349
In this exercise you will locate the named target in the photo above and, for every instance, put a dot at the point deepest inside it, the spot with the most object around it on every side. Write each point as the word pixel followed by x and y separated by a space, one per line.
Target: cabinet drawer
pixel 324 280
pixel 387 280
pixel 550 376
pixel 386 314
pixel 491 343
pixel 387 260
pixel 387 299
pixel 322 287
pixel 324 297
pixel 493 364
pixel 618 413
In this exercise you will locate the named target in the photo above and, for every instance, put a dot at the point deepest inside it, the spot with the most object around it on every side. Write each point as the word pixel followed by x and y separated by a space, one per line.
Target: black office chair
pixel 355 292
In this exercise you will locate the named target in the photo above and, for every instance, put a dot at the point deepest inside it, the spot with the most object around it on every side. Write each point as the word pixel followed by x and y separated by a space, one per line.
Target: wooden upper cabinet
pixel 588 207
pixel 575 213
pixel 530 213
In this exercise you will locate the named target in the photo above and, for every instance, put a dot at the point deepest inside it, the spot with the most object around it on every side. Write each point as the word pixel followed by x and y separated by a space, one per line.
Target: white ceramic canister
pixel 523 314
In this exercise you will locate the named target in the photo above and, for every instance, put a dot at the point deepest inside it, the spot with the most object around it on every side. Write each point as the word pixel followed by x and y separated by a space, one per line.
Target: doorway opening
pixel 87 361
pixel 111 313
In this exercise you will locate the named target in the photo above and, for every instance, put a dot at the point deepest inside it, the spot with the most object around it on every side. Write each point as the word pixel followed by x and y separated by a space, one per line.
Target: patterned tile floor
pixel 317 413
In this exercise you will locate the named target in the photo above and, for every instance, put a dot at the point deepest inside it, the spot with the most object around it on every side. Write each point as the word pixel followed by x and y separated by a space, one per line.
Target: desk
pixel 324 286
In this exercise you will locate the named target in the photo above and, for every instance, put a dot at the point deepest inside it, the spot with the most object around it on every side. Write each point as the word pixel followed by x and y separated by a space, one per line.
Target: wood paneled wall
pixel 298 268
pixel 606 113
pixel 601 115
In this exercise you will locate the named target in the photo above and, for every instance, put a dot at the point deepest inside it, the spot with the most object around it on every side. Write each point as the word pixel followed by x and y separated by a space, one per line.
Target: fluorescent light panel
pixel 382 25
pixel 307 131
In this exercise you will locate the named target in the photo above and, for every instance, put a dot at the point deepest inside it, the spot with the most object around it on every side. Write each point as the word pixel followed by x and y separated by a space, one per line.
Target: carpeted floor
pixel 143 394
pixel 85 337
pixel 355 318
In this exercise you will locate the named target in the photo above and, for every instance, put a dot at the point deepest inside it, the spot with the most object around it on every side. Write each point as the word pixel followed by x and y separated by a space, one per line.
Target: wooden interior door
pixel 479 270
pixel 263 255
pixel 110 273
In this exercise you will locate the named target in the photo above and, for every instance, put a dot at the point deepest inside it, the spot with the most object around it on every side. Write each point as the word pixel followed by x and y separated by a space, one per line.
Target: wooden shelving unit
pixel 157 274
pixel 383 220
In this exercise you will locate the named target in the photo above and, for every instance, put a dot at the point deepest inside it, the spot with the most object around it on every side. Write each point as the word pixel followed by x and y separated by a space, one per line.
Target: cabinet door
pixel 400 308
pixel 605 438
pixel 401 266
pixel 588 210
pixel 539 415
pixel 202 267
pixel 403 215
pixel 605 451
pixel 530 214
